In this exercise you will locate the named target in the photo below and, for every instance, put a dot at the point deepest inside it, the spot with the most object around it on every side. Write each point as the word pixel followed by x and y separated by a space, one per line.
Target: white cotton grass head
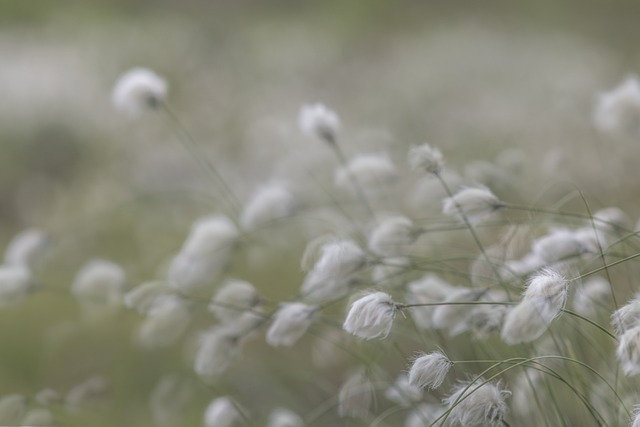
pixel 371 316
pixel 12 408
pixel 137 90
pixel 271 202
pixel 424 415
pixel 427 290
pixel 628 351
pixel 612 219
pixel 593 297
pixel 391 272
pixel 142 297
pixel 282 417
pixel 370 172
pixel 454 317
pixel 542 302
pixel 356 396
pixel 100 282
pixel 474 204
pixel 429 370
pixel 618 110
pixel 15 284
pixel 26 249
pixel 635 417
pixel 393 236
pixel 477 404
pixel 485 320
pixel 317 120
pixel 426 158
pixel 169 399
pixel 222 412
pixel 204 254
pixel 627 316
pixel 559 244
pixel 166 320
pixel 233 299
pixel 38 417
pixel 217 349
pixel 290 323
pixel 403 393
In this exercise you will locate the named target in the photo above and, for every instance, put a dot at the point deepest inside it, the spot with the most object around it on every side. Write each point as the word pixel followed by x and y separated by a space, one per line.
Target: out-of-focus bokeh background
pixel 476 78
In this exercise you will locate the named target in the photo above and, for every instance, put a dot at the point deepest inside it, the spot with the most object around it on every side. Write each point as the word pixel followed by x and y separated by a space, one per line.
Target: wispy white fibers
pixel 426 158
pixel 475 204
pixel 142 297
pixel 100 282
pixel 217 349
pixel 424 415
pixel 166 320
pixel 281 417
pixel 393 236
pixel 592 297
pixel 391 272
pixel 541 303
pixel 403 393
pixel 429 370
pixel 15 283
pixel 427 290
pixel 635 420
pixel 290 323
pixel 204 254
pixel 371 316
pixel 356 396
pixel 559 245
pixel 222 412
pixel 619 109
pixel 334 272
pixel 233 299
pixel 454 317
pixel 627 316
pixel 628 351
pixel 370 172
pixel 26 249
pixel 269 203
pixel 479 405
pixel 137 90
pixel 319 121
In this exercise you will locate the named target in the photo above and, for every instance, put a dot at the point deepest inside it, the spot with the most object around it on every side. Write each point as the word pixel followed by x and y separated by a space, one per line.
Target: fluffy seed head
pixel 12 409
pixel 142 297
pixel 403 393
pixel 454 317
pixel 424 414
pixel 232 299
pixel 393 236
pixel 282 417
pixel 541 303
pixel 290 323
pixel 627 316
pixel 429 370
pixel 478 405
pixel 628 351
pixel 167 319
pixel 319 121
pixel 15 283
pixel 217 349
pixel 619 109
pixel 475 204
pixel 560 244
pixel 371 316
pixel 370 172
pixel 355 396
pixel 222 412
pixel 426 158
pixel 26 249
pixel 592 296
pixel 137 90
pixel 100 282
pixel 270 203
pixel 635 420
pixel 429 289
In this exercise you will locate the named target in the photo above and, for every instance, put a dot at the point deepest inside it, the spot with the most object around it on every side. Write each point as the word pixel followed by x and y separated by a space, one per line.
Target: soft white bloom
pixel 137 90
pixel 100 282
pixel 427 290
pixel 429 370
pixel 217 349
pixel 222 412
pixel 403 393
pixel 473 203
pixel 485 320
pixel 628 351
pixel 592 297
pixel 627 316
pixel 319 121
pixel 86 393
pixel 12 409
pixel 393 236
pixel 290 323
pixel 356 396
pixel 142 297
pixel 269 203
pixel 48 397
pixel 479 405
pixel 233 299
pixel 26 249
pixel 559 245
pixel 15 283
pixel 427 158
pixel 612 219
pixel 515 269
pixel 38 417
pixel 541 303
pixel 635 421
pixel 205 253
pixel 424 415
pixel 334 272
pixel 166 320
pixel 169 398
pixel 391 272
pixel 368 171
pixel 454 317
pixel 281 417
pixel 371 316
pixel 619 109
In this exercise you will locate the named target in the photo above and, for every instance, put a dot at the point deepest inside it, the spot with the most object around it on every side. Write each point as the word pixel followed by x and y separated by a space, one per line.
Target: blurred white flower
pixel 166 320
pixel 426 158
pixel 281 417
pixel 88 392
pixel 356 396
pixel 142 297
pixel 592 297
pixel 137 90
pixel 26 249
pixel 477 405
pixel 37 417
pixel 619 109
pixel 290 323
pixel 429 370
pixel 233 299
pixel 12 409
pixel 628 351
pixel 222 412
pixel 473 203
pixel 217 349
pixel 627 316
pixel 269 203
pixel 15 283
pixel 319 121
pixel 393 236
pixel 169 398
pixel 427 290
pixel 100 282
pixel 403 393
pixel 371 172
pixel 371 316
pixel 424 414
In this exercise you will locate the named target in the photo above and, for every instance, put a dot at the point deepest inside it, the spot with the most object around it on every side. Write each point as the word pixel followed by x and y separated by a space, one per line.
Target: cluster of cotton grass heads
pixel 487 313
